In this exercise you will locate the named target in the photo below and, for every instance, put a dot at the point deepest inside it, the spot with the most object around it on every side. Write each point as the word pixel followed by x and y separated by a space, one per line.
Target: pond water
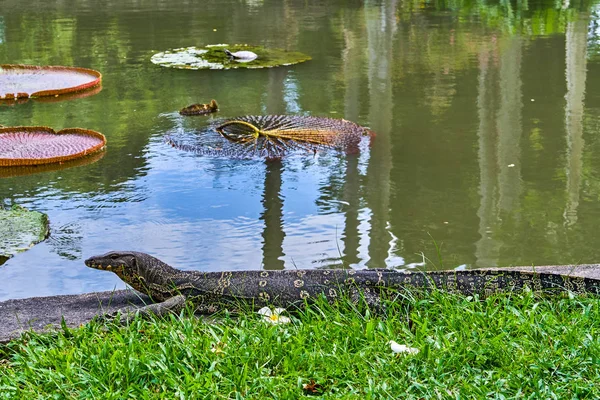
pixel 486 117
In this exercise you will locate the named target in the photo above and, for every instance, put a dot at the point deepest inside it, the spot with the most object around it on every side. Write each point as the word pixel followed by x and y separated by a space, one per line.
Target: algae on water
pixel 20 229
pixel 214 57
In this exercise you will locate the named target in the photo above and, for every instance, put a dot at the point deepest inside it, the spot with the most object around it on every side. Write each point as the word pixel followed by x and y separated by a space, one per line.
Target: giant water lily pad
pixel 35 145
pixel 23 81
pixel 214 57
pixel 51 99
pixel 20 229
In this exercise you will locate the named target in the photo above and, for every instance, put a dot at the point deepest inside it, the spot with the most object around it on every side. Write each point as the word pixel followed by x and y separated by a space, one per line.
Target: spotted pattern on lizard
pixel 212 291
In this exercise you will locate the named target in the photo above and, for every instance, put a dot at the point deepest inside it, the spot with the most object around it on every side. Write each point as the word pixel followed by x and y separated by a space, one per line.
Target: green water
pixel 486 118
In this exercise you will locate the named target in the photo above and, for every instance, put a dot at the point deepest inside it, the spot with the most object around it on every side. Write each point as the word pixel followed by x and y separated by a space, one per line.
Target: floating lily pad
pixel 35 145
pixel 23 81
pixel 52 99
pixel 20 229
pixel 214 57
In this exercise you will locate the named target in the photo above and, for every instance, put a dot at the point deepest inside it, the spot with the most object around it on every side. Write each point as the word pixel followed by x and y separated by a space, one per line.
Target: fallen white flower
pixel 218 348
pixel 402 348
pixel 274 316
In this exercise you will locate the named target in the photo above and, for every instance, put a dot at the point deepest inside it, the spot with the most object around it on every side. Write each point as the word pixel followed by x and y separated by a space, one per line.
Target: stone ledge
pixel 581 270
pixel 45 313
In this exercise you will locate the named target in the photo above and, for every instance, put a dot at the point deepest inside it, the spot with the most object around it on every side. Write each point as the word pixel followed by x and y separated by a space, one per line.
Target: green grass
pixel 506 346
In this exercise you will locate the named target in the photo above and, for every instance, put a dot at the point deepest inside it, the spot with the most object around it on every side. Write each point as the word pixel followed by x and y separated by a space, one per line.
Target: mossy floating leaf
pixel 24 81
pixel 272 137
pixel 215 57
pixel 20 229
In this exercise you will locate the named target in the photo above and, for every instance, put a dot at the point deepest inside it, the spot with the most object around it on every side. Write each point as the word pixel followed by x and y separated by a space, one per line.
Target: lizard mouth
pixel 90 262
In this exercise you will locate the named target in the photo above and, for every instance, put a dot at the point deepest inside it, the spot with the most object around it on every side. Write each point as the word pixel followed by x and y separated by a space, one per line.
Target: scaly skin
pixel 211 291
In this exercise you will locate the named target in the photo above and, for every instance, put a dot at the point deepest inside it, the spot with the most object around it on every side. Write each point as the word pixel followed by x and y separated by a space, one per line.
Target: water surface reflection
pixel 486 118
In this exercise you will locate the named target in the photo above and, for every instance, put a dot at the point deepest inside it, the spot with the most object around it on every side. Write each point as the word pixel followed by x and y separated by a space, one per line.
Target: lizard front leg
pixel 371 298
pixel 172 305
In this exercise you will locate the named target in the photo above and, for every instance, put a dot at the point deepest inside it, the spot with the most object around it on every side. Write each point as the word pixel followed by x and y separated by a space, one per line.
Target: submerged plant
pixel 274 136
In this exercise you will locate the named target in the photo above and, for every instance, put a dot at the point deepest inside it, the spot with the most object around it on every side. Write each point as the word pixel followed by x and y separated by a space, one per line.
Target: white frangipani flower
pixel 274 316
pixel 218 348
pixel 402 348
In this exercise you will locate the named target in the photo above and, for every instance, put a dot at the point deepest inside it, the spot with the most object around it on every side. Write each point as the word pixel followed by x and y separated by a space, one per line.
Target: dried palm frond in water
pixel 274 136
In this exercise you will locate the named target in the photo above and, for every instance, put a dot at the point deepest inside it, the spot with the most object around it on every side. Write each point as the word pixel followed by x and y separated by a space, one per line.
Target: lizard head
pixel 122 263
pixel 139 270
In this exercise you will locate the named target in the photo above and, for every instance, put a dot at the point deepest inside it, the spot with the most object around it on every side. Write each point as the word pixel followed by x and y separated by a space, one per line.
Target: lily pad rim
pixel 52 99
pixel 26 170
pixel 16 162
pixel 52 92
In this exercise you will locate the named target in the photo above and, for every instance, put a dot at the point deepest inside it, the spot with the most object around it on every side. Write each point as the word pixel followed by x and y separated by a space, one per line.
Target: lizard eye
pixel 114 256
